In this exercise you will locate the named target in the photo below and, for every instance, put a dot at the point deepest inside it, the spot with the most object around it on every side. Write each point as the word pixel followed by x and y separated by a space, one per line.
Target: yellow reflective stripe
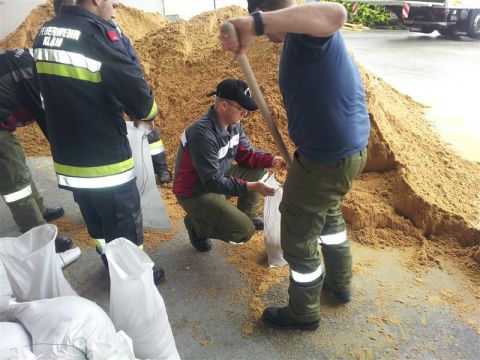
pixel 94 171
pixel 68 71
pixel 18 195
pixel 100 243
pixel 153 111
pixel 156 147
pixel 101 182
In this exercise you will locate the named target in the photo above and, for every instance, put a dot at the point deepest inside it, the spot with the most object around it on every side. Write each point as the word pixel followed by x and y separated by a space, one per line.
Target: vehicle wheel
pixel 427 29
pixel 474 25
pixel 449 31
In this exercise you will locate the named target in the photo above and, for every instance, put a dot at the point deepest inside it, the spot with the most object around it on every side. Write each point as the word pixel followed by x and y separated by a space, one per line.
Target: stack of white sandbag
pixel 52 322
pixel 56 322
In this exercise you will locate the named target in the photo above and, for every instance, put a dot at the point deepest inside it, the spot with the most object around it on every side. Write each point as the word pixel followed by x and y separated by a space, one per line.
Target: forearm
pixel 319 20
pixel 226 185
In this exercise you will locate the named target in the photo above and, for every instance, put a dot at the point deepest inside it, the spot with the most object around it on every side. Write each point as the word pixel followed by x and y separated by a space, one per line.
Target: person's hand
pixel 149 125
pixel 278 163
pixel 245 29
pixel 261 188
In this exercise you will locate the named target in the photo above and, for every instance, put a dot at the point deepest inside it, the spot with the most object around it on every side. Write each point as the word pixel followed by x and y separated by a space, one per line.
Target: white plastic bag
pixel 155 216
pixel 136 306
pixel 272 216
pixel 14 338
pixel 31 265
pixel 67 257
pixel 6 294
pixel 65 327
pixel 119 348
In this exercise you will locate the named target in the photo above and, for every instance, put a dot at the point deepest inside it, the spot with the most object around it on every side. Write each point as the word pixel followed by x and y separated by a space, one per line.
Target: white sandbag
pixel 14 338
pixel 6 294
pixel 31 265
pixel 20 354
pixel 272 216
pixel 64 327
pixel 155 216
pixel 136 306
pixel 119 348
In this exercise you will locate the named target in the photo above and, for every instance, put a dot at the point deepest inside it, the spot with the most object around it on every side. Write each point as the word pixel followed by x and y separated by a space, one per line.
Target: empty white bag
pixel 31 265
pixel 272 216
pixel 65 327
pixel 136 306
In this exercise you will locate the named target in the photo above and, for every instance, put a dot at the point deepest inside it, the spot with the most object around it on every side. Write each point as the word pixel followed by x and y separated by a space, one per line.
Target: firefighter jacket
pixel 20 101
pixel 88 82
pixel 206 154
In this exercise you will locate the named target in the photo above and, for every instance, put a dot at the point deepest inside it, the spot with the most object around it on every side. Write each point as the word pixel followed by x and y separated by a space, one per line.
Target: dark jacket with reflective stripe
pixel 20 101
pixel 206 154
pixel 88 81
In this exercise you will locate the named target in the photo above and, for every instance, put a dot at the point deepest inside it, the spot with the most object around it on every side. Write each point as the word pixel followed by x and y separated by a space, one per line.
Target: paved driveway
pixel 438 71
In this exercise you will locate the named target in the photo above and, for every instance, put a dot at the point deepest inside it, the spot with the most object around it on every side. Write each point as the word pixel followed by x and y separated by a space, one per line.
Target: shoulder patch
pixel 112 35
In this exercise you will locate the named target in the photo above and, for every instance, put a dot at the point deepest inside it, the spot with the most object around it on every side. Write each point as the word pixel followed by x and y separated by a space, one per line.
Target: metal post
pixel 214 4
pixel 163 7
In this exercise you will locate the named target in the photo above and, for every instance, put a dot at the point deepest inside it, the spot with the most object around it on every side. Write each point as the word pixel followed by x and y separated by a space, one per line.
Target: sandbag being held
pixel 31 265
pixel 272 217
pixel 136 306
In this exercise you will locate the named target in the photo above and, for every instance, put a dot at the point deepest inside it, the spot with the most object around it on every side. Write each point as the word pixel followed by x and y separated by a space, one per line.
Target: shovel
pixel 247 71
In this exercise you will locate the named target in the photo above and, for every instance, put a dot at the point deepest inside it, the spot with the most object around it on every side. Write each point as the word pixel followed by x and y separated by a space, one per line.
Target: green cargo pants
pixel 214 216
pixel 16 185
pixel 311 214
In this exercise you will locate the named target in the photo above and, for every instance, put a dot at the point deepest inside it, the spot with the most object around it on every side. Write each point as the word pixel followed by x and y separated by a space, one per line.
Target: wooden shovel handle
pixel 247 71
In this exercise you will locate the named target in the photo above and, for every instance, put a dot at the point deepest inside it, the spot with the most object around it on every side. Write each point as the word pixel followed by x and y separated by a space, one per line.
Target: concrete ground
pixel 395 314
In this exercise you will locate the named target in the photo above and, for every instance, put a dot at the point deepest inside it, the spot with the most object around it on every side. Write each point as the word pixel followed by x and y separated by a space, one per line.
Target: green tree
pixel 367 14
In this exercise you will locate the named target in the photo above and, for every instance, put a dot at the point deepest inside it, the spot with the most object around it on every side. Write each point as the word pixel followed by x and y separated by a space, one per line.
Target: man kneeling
pixel 205 175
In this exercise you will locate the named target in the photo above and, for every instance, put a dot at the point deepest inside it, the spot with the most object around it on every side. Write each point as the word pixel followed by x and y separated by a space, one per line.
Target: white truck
pixel 448 17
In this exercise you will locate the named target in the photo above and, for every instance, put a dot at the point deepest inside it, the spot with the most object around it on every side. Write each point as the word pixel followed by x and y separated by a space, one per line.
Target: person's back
pixel 76 55
pixel 88 82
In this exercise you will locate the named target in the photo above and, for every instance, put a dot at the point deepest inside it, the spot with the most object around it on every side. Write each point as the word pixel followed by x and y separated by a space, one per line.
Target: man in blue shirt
pixel 329 124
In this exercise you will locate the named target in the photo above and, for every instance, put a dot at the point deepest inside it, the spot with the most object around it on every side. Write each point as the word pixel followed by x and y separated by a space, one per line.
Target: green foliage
pixel 368 15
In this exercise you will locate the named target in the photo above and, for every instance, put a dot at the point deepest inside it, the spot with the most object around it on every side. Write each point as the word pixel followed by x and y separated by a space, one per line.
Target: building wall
pixel 13 12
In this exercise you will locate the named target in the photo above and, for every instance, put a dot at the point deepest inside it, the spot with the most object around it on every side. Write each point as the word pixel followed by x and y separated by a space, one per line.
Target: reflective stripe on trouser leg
pixel 18 195
pixel 100 245
pixel 338 261
pixel 304 291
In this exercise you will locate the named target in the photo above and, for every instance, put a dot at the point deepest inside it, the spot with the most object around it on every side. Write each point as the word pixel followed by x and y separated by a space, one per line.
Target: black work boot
pixel 341 297
pixel 258 223
pixel 53 213
pixel 158 274
pixel 278 317
pixel 198 243
pixel 63 243
pixel 161 169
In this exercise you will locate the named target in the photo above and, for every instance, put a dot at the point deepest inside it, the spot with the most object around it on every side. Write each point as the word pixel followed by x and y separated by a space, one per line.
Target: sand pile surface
pixel 414 192
pixel 136 23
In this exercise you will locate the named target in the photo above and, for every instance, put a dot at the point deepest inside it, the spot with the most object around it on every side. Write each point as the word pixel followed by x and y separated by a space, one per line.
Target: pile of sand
pixel 135 23
pixel 414 192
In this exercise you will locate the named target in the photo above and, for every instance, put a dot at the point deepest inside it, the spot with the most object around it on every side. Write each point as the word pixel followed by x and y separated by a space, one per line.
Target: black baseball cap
pixel 253 4
pixel 237 90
